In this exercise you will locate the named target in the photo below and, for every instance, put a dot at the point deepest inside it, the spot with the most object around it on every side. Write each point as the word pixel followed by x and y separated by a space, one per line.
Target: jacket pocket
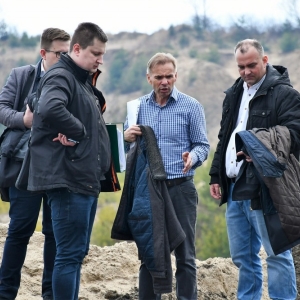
pixel 77 151
pixel 260 118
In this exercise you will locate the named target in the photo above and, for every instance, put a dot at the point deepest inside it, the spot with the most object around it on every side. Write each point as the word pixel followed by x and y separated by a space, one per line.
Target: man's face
pixel 251 66
pixel 91 57
pixel 51 56
pixel 162 78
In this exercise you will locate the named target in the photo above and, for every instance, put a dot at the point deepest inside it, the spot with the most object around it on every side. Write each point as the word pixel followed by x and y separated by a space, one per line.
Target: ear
pixel 43 53
pixel 149 79
pixel 265 59
pixel 76 49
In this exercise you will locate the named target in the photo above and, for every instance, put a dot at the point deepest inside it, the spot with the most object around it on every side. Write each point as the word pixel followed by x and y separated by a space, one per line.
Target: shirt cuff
pixel 194 158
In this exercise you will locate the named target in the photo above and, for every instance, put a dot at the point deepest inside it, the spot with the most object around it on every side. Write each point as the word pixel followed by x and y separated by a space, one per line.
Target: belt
pixel 177 181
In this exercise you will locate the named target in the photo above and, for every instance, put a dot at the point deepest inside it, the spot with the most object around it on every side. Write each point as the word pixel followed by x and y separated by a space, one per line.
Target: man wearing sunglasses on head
pixel 25 205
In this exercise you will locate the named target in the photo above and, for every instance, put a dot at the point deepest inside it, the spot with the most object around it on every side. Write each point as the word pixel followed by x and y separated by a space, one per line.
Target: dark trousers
pixel 185 199
pixel 24 212
pixel 73 216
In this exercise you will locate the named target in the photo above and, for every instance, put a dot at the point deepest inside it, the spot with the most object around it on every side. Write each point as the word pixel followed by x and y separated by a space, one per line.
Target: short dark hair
pixel 51 34
pixel 244 45
pixel 85 33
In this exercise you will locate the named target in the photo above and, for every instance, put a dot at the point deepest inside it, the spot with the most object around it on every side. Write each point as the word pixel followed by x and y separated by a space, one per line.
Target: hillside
pixel 202 79
pixel 198 76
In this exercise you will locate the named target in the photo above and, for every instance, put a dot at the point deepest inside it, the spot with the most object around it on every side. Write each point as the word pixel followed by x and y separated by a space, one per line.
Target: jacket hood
pixel 276 75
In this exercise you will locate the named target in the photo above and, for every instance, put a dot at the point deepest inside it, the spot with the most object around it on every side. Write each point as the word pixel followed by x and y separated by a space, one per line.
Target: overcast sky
pixel 147 16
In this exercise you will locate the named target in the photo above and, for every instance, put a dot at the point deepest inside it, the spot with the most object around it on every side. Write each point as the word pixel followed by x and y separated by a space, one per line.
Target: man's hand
pixel 215 191
pixel 131 133
pixel 187 161
pixel 63 140
pixel 27 118
pixel 248 158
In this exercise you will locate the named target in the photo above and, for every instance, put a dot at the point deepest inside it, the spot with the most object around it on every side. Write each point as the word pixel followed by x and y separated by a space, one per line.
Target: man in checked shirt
pixel 178 122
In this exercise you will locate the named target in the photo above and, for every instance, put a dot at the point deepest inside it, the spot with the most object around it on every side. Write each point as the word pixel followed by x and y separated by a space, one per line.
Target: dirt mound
pixel 112 273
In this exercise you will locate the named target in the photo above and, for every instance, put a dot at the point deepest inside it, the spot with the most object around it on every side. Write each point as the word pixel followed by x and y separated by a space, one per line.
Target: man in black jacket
pixel 25 206
pixel 70 152
pixel 262 97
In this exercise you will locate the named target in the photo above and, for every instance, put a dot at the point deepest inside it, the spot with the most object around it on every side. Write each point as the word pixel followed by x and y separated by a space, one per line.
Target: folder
pixel 116 136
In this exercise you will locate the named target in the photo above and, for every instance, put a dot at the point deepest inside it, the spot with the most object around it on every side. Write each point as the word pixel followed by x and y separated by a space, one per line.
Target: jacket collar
pixel 274 75
pixel 80 74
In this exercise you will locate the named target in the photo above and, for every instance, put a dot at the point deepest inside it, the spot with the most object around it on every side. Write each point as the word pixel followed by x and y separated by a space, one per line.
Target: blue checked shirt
pixel 179 126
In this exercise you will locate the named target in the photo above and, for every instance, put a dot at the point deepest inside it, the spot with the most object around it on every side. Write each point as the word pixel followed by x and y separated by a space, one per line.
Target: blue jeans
pixel 185 199
pixel 246 233
pixel 24 212
pixel 73 216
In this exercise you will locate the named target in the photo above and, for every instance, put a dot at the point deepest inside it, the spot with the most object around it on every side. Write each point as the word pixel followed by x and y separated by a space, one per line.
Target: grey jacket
pixel 11 94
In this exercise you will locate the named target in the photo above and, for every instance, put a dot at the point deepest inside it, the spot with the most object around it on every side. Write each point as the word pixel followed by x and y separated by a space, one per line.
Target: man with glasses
pixel 24 205
pixel 57 53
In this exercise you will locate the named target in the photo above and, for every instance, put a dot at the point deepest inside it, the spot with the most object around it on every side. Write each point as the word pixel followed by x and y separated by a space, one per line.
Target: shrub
pixel 288 42
pixel 117 67
pixel 184 41
pixel 213 55
pixel 193 53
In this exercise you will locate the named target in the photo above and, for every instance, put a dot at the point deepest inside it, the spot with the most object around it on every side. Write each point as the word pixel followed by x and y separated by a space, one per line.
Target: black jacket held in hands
pixel 68 103
pixel 275 103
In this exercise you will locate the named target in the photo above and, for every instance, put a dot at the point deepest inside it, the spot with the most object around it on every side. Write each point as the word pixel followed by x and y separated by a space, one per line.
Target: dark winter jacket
pixel 275 103
pixel 277 174
pixel 146 213
pixel 68 104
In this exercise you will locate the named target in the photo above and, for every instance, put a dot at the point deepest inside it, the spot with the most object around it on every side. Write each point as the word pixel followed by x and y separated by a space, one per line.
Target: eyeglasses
pixel 57 53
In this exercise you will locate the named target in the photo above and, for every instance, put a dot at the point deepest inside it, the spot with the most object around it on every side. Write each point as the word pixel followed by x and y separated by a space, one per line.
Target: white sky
pixel 147 16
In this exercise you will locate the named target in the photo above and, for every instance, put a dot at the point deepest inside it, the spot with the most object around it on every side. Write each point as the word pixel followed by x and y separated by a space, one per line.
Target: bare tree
pixel 201 22
pixel 292 9
pixel 3 31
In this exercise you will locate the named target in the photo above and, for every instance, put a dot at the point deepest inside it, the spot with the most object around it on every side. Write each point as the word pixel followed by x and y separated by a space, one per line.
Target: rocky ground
pixel 112 273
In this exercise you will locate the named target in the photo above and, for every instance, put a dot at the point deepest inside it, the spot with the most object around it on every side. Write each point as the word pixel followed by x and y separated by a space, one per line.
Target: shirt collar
pixel 255 86
pixel 173 96
pixel 42 69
